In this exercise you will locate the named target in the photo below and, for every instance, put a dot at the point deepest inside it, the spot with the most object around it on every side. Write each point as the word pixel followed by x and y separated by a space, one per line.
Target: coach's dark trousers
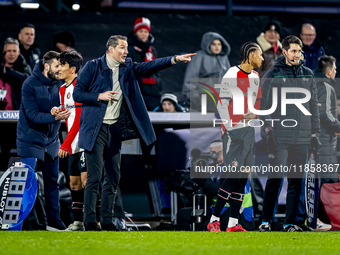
pixel 286 155
pixel 50 171
pixel 104 155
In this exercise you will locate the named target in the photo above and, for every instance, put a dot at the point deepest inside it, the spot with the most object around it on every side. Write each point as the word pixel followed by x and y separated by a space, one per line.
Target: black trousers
pixel 104 155
pixel 289 155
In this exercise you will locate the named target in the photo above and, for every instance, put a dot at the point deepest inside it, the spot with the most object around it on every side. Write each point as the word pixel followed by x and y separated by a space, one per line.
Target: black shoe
pixel 91 226
pixel 120 224
pixel 292 228
pixel 55 225
pixel 305 228
pixel 109 227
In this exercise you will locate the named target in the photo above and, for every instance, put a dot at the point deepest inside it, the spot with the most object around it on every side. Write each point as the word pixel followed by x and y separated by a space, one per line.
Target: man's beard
pixel 51 75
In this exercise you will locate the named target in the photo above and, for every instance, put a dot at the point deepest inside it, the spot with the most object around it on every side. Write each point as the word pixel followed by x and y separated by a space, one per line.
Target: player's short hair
pixel 291 39
pixel 113 41
pixel 325 63
pixel 11 40
pixel 246 49
pixel 26 25
pixel 338 97
pixel 49 56
pixel 73 58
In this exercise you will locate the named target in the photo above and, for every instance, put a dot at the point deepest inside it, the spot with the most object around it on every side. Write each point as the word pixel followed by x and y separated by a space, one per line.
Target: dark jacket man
pixel 37 129
pixel 312 54
pixel 329 124
pixel 15 76
pixel 283 75
pixel 150 86
pixel 95 78
pixel 31 55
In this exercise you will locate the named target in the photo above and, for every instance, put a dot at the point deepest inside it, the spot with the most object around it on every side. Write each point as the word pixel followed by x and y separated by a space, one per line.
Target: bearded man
pixel 38 130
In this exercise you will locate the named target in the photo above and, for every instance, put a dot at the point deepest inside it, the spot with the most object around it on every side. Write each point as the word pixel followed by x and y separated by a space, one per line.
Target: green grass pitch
pixel 163 243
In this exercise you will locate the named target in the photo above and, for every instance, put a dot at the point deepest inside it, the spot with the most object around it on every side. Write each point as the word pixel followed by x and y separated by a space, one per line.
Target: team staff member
pixel 113 110
pixel 38 130
pixel 238 139
pixel 288 146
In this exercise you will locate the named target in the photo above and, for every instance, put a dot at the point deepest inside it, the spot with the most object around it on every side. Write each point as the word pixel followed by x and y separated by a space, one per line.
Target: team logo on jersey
pixel 256 82
pixel 284 79
pixel 234 163
pixel 254 94
pixel 68 95
pixel 305 79
pixel 242 81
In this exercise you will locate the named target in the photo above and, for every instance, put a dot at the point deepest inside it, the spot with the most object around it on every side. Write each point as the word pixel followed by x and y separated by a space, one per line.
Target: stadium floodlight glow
pixel 29 5
pixel 75 7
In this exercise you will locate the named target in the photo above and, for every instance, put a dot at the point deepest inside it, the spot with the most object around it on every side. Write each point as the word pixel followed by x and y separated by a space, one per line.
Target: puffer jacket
pixel 295 76
pixel 206 66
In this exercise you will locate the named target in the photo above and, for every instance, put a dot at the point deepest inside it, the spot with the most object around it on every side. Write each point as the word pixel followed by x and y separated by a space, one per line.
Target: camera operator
pixel 209 186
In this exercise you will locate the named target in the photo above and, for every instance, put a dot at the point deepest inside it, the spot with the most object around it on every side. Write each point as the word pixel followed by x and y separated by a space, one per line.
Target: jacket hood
pixel 264 44
pixel 133 40
pixel 208 38
pixel 37 72
pixel 321 77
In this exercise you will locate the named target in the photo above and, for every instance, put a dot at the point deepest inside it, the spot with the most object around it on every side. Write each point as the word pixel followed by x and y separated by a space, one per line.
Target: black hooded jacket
pixel 32 55
pixel 328 121
pixel 15 76
pixel 295 76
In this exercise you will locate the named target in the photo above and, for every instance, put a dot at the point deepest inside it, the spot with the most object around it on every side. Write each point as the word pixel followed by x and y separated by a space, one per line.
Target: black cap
pixel 273 25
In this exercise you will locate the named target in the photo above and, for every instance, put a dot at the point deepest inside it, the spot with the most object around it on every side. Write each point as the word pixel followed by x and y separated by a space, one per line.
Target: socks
pixel 232 222
pixel 77 204
pixel 214 218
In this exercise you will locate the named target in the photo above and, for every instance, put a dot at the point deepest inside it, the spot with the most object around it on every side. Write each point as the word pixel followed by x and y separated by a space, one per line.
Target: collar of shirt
pixel 111 63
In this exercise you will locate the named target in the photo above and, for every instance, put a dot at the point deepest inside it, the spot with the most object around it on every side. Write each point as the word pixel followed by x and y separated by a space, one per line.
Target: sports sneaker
pixel 75 226
pixel 55 225
pixel 292 228
pixel 322 226
pixel 214 227
pixel 237 228
pixel 265 227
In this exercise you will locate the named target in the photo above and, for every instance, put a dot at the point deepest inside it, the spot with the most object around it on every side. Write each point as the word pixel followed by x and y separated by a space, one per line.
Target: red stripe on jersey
pixel 73 131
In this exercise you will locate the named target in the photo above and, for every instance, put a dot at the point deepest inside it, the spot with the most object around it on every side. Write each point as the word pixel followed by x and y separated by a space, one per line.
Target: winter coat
pixel 95 78
pixel 37 129
pixel 32 55
pixel 15 76
pixel 150 86
pixel 312 54
pixel 268 54
pixel 206 66
pixel 328 121
pixel 285 76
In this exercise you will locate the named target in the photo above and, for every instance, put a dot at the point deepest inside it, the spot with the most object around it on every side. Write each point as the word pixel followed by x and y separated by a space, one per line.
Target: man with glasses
pixel 311 47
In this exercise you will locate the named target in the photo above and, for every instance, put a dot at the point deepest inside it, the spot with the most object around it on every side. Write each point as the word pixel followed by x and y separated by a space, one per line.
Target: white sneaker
pixel 75 226
pixel 322 226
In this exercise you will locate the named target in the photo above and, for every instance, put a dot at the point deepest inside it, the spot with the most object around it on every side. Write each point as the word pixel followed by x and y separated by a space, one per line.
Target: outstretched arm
pixel 151 67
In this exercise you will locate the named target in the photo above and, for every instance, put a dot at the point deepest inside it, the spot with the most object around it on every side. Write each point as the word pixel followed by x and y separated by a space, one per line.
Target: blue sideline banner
pixel 18 191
